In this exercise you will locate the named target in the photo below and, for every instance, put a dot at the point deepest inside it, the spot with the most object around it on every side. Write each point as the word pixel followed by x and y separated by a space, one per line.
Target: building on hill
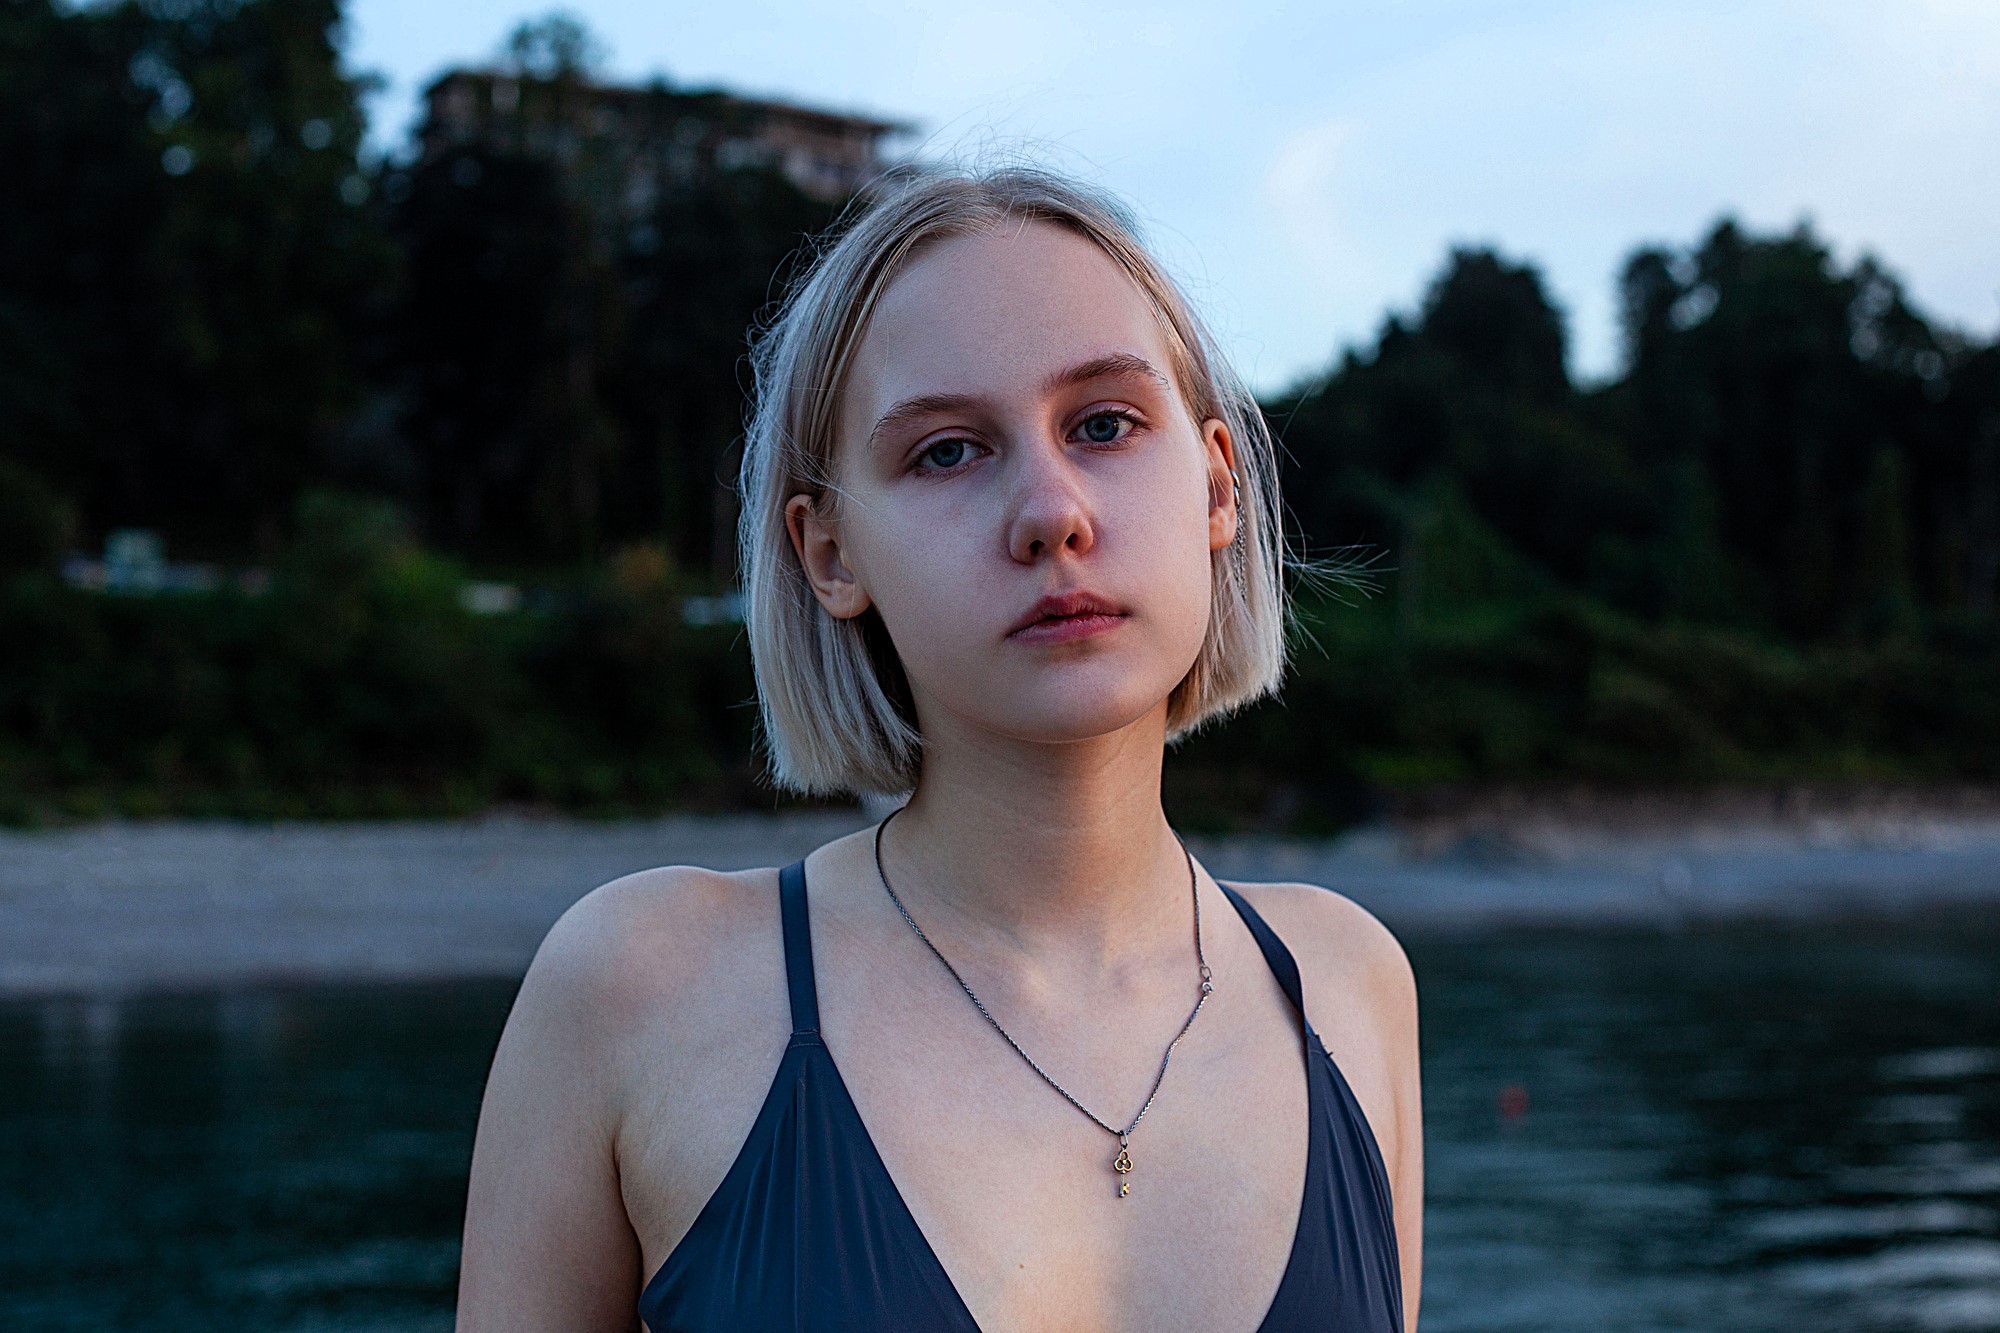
pixel 633 143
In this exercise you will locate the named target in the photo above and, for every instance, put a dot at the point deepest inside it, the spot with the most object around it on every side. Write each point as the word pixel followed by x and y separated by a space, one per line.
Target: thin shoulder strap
pixel 1275 953
pixel 798 949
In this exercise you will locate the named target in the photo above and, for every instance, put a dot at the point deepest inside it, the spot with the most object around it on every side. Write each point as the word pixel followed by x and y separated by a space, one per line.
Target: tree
pixel 187 261
pixel 1466 412
pixel 1809 398
pixel 699 273
pixel 508 316
pixel 557 45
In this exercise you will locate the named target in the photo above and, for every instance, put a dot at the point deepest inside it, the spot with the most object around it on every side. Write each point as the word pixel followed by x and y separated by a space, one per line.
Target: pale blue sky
pixel 1303 167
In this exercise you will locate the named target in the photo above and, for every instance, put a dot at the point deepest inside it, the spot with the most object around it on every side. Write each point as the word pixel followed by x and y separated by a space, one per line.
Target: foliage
pixel 1769 548
pixel 1563 690
pixel 359 685
pixel 35 521
pixel 556 45
pixel 572 378
pixel 1790 447
pixel 184 225
pixel 498 348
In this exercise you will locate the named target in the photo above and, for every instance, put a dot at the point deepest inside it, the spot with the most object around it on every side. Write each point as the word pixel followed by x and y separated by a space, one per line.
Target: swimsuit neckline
pixel 807 1046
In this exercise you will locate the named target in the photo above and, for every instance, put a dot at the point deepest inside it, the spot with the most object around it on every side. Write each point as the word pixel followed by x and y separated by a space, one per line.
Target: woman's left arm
pixel 1397 1005
pixel 1362 997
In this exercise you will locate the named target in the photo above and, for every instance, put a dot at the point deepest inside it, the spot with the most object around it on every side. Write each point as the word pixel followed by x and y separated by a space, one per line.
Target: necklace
pixel 1122 1162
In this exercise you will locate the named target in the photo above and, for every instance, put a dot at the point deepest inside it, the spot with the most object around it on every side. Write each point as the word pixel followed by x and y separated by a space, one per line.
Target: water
pixel 1738 1128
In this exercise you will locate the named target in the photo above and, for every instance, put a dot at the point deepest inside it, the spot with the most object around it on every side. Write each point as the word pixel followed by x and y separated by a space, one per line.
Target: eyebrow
pixel 1083 372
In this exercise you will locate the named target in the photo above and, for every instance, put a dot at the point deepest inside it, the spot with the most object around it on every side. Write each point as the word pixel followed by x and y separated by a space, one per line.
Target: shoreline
pixel 124 907
pixel 1579 815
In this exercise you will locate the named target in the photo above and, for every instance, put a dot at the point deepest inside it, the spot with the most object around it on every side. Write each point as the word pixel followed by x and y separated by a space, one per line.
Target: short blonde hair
pixel 835 705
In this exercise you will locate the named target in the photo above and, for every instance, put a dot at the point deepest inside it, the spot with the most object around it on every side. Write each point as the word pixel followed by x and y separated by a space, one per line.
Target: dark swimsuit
pixel 808 1232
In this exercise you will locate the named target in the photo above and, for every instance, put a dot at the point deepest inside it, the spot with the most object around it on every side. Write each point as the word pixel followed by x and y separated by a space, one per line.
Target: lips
pixel 1057 607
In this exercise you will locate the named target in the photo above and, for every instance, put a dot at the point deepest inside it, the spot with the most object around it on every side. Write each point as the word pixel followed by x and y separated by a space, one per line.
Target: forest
pixel 1766 552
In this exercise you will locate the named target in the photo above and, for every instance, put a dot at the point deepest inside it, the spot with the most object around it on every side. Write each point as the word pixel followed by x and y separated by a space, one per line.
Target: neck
pixel 1059 851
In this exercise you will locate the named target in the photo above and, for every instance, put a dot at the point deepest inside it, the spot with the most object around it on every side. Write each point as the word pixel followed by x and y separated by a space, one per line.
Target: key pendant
pixel 1122 1164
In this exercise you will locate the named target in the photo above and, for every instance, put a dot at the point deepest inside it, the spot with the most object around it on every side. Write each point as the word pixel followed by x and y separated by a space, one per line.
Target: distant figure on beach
pixel 1009 1058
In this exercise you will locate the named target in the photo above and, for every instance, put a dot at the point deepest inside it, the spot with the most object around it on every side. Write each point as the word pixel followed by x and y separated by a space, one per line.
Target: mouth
pixel 1059 619
pixel 1063 629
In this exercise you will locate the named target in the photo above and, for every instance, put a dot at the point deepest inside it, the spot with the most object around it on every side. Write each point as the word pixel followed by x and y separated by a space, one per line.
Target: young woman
pixel 1009 1059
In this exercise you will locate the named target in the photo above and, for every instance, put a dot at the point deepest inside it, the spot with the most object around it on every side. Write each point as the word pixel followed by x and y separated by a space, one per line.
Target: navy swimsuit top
pixel 808 1232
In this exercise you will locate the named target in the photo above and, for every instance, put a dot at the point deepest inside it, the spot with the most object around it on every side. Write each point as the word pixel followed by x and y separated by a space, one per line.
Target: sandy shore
pixel 117 906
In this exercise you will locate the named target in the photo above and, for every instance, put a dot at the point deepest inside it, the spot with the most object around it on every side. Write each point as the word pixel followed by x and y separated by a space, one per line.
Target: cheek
pixel 930 586
pixel 1163 536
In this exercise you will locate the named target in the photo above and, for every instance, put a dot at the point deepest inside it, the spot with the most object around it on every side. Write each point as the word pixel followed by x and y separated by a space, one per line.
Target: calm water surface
pixel 1732 1129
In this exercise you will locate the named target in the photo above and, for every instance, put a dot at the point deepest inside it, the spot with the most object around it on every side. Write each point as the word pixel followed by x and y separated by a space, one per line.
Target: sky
pixel 1304 168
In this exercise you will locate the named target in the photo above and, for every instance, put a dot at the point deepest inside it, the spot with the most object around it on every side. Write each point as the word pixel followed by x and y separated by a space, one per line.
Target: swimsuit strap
pixel 799 980
pixel 798 949
pixel 1275 953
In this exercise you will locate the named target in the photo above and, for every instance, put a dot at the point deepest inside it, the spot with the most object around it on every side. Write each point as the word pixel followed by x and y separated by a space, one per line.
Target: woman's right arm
pixel 547 1244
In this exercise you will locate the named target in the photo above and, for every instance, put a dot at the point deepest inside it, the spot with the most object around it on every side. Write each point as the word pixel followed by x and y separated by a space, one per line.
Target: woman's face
pixel 1010 429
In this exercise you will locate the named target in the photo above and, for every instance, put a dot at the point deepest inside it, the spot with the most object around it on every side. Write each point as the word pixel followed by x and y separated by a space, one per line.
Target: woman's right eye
pixel 953 452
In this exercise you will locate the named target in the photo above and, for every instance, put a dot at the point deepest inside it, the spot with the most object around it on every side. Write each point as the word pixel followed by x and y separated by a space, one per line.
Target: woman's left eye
pixel 1106 427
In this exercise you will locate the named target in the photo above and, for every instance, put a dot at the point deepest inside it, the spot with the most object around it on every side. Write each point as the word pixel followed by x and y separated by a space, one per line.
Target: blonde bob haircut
pixel 835 705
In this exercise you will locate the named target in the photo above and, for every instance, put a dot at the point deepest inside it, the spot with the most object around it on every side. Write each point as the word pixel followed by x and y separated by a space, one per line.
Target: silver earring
pixel 1236 490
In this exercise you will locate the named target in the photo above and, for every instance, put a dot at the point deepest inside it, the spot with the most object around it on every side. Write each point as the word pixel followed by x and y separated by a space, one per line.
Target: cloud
pixel 1306 167
pixel 1569 138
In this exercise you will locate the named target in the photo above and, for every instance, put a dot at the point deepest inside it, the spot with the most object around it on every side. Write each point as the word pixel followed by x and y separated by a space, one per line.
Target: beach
pixel 120 907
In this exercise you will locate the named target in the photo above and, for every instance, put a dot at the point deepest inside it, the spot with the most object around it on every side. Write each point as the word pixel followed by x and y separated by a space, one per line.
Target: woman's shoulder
pixel 1361 997
pixel 673 951
pixel 1360 991
pixel 1340 945
pixel 626 1071
pixel 670 908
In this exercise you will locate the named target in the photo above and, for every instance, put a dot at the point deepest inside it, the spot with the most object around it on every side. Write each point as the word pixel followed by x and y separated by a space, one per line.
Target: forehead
pixel 994 314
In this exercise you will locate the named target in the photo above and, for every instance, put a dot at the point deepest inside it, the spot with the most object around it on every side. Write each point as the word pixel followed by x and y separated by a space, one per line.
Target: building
pixel 632 143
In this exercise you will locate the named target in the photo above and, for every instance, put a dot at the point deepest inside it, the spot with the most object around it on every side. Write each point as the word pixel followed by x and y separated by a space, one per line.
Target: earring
pixel 1237 541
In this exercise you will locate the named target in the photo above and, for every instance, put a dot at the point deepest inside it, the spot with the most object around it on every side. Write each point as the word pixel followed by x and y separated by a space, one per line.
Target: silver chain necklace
pixel 1122 1163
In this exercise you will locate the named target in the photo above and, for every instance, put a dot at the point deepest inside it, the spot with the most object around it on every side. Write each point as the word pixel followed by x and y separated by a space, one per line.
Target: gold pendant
pixel 1122 1164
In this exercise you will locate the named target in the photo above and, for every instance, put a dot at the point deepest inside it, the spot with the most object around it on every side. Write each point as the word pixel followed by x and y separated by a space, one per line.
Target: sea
pixel 1726 1125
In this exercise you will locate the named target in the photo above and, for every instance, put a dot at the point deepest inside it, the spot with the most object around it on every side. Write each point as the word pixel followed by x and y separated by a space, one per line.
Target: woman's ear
pixel 1223 490
pixel 816 539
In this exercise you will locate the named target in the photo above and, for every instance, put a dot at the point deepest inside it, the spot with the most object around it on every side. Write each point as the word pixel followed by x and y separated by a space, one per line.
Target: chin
pixel 1074 715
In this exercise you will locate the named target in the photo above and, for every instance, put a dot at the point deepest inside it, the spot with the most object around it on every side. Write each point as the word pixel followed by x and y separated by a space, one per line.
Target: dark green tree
pixel 80 365
pixel 1808 399
pixel 558 45
pixel 186 259
pixel 699 272
pixel 1465 414
pixel 508 316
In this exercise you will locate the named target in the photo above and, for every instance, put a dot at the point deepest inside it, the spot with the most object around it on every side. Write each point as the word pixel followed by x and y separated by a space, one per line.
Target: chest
pixel 1015 1188
pixel 1008 1186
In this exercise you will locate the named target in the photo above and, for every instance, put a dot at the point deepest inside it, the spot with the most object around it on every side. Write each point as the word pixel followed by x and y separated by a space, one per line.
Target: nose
pixel 1051 509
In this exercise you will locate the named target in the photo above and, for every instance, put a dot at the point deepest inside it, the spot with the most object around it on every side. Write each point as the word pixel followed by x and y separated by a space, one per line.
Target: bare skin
pixel 1010 428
